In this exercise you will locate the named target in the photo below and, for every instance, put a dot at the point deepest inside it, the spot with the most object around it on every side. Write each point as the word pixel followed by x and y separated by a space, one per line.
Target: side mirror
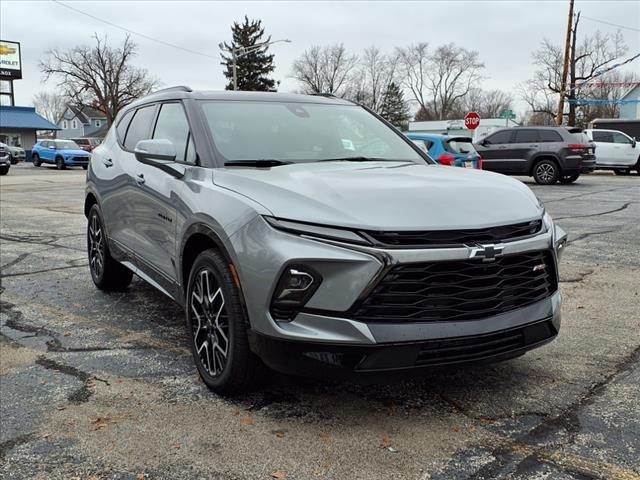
pixel 159 153
pixel 633 143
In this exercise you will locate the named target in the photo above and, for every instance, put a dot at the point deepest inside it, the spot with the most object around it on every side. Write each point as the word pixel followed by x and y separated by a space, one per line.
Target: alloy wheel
pixel 96 247
pixel 210 324
pixel 546 172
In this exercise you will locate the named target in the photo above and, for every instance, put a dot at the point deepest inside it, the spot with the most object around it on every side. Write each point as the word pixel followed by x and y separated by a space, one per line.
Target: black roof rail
pixel 328 95
pixel 180 88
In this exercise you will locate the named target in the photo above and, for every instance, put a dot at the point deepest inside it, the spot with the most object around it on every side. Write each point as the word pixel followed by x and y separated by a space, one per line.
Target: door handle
pixel 140 179
pixel 107 162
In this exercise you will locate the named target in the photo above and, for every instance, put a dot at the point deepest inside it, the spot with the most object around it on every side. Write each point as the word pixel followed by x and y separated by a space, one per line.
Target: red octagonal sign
pixel 472 120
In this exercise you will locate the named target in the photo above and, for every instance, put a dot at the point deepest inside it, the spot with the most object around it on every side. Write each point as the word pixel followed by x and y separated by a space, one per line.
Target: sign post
pixel 507 115
pixel 472 120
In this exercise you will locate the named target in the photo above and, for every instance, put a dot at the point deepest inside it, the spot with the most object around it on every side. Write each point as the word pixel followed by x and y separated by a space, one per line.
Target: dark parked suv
pixel 308 234
pixel 548 154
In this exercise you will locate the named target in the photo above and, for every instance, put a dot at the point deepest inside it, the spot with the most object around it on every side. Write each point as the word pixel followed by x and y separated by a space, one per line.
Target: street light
pixel 241 51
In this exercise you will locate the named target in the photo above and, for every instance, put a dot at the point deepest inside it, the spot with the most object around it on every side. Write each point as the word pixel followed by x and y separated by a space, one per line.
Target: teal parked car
pixel 448 150
pixel 61 153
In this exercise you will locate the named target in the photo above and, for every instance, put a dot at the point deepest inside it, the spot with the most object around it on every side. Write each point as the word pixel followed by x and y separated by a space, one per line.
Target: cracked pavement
pixel 102 385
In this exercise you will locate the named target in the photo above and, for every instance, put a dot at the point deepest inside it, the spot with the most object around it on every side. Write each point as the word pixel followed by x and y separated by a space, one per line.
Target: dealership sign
pixel 10 62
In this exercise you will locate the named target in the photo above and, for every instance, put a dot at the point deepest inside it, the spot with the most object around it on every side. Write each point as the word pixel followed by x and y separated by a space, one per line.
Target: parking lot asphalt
pixel 101 385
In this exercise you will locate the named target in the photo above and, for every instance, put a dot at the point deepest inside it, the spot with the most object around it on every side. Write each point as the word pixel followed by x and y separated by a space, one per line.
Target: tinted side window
pixel 620 138
pixel 503 136
pixel 172 125
pixel 140 127
pixel 549 136
pixel 603 137
pixel 123 124
pixel 526 136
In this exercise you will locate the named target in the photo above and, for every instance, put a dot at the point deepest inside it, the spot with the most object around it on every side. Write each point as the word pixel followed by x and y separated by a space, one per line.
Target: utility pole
pixel 565 67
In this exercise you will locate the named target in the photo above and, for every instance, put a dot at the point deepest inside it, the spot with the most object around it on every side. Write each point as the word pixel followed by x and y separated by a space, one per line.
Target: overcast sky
pixel 504 33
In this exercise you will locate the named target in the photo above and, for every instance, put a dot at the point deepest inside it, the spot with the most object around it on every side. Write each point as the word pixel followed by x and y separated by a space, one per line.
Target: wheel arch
pixel 544 156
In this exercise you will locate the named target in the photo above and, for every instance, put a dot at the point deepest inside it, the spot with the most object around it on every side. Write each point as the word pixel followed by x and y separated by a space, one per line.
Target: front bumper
pixel 390 360
pixel 349 272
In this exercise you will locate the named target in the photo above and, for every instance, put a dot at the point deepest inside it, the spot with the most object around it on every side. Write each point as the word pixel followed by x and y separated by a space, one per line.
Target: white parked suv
pixel 615 151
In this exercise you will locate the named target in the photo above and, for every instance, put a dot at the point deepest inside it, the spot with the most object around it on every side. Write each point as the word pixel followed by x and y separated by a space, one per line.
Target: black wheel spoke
pixel 96 246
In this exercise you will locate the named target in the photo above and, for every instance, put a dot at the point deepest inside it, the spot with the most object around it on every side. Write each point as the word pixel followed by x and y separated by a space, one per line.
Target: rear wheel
pixel 36 160
pixel 546 172
pixel 60 163
pixel 4 170
pixel 217 327
pixel 566 179
pixel 107 273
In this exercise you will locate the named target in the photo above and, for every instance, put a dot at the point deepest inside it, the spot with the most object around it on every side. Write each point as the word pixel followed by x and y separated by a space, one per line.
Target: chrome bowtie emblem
pixel 487 253
pixel 539 267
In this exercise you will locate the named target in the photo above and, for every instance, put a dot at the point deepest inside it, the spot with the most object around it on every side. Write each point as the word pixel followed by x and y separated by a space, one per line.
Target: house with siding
pixel 82 121
pixel 630 108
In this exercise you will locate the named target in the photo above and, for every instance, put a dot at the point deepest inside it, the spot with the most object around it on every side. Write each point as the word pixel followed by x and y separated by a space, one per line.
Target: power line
pixel 133 32
pixel 612 24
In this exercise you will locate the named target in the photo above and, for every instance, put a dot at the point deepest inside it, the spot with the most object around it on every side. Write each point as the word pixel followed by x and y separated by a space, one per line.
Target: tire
pixel 638 166
pixel 566 179
pixel 215 316
pixel 36 160
pixel 546 172
pixel 622 171
pixel 84 167
pixel 60 163
pixel 106 273
pixel 4 170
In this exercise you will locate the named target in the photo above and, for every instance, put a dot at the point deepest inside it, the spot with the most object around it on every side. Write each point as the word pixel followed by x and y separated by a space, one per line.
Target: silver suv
pixel 307 235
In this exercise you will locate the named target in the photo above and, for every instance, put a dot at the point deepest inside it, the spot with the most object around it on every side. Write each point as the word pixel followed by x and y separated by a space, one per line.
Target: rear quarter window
pixel 549 136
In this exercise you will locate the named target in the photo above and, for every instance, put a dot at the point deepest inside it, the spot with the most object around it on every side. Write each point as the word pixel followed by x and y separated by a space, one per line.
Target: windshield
pixel 302 132
pixel 66 145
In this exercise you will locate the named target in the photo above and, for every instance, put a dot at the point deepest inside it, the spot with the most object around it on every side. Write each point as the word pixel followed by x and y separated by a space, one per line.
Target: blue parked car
pixel 62 153
pixel 448 150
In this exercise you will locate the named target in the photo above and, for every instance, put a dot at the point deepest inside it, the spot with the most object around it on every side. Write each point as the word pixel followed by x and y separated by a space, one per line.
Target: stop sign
pixel 472 120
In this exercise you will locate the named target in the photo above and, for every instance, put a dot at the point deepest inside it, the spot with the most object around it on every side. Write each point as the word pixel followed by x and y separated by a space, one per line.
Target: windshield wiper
pixel 357 159
pixel 257 163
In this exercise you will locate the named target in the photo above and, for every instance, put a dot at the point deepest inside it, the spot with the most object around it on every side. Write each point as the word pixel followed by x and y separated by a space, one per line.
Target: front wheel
pixel 546 172
pixel 107 273
pixel 36 160
pixel 217 327
pixel 638 166
pixel 60 165
pixel 566 179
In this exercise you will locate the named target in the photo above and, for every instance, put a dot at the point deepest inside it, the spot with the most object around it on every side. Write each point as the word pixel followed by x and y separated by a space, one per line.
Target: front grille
pixel 80 159
pixel 460 290
pixel 455 237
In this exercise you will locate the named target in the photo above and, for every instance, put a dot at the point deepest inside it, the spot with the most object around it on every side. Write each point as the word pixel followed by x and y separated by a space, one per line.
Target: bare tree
pixel 100 76
pixel 376 72
pixel 440 79
pixel 488 103
pixel 50 105
pixel 414 63
pixel 327 69
pixel 587 59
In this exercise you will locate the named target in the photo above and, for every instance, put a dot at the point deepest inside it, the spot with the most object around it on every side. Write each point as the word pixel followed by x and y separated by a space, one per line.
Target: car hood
pixel 384 195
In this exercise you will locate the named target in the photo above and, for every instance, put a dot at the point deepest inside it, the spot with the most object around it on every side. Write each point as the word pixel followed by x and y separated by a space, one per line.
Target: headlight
pixel 319 231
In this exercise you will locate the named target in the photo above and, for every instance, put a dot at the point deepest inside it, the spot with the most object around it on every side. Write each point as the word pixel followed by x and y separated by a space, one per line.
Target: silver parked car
pixel 306 234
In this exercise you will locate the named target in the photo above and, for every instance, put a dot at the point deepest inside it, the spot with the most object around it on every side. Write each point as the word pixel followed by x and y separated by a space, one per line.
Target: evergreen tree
pixel 393 108
pixel 253 68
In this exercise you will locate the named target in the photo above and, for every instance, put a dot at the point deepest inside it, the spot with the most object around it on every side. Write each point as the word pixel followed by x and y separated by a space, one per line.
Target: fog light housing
pixel 296 286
